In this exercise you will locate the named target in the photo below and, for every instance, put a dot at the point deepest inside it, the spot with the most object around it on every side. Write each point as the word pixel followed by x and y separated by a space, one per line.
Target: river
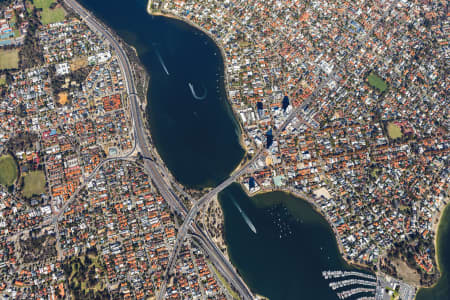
pixel 191 122
pixel 197 136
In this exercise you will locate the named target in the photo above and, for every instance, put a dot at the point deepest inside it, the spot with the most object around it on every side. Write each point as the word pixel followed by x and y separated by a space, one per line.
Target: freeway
pixel 149 165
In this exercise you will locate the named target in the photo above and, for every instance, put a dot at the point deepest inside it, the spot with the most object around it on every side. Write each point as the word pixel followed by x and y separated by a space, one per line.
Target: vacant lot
pixel 62 98
pixel 394 131
pixel 49 15
pixel 34 184
pixel 377 82
pixel 8 170
pixel 79 63
pixel 9 59
pixel 406 273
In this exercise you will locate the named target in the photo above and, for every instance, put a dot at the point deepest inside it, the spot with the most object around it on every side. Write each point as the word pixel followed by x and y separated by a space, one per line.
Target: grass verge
pixel 225 283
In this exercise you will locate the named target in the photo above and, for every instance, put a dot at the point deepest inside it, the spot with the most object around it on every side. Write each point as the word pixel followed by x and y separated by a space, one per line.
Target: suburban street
pixel 142 144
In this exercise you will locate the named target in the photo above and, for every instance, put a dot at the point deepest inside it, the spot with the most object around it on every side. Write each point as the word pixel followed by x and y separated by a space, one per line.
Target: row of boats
pixel 349 293
pixel 363 283
pixel 340 284
pixel 339 274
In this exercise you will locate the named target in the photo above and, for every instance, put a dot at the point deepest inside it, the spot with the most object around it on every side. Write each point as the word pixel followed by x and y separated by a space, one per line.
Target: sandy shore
pixel 437 222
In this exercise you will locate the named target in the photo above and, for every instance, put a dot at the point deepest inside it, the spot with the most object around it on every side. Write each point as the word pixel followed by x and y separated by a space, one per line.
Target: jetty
pixel 339 274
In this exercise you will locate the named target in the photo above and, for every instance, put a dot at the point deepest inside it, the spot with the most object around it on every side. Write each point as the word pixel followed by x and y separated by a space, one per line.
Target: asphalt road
pixel 151 168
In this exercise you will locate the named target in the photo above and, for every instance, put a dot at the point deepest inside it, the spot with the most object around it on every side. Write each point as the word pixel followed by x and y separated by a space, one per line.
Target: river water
pixel 293 244
pixel 191 121
pixel 441 291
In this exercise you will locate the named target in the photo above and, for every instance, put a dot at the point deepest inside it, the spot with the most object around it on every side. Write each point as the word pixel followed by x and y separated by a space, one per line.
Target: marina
pixel 349 293
pixel 340 274
pixel 348 287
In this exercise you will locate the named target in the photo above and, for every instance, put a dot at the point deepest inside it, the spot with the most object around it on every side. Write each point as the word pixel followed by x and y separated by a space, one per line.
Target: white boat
pixel 246 219
pixel 191 87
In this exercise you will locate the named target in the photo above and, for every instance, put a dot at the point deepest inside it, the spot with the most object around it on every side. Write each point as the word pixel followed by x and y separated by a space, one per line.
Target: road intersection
pixel 142 144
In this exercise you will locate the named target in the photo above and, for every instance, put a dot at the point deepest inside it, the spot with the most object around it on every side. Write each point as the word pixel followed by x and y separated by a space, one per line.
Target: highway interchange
pixel 222 264
pixel 160 176
pixel 141 143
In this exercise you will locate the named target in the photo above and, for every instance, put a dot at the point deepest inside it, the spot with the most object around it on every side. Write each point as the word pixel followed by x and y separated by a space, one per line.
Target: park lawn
pixel 55 15
pixel 8 170
pixel 9 59
pixel 42 3
pixel 394 131
pixel 49 15
pixel 34 184
pixel 377 82
pixel 79 279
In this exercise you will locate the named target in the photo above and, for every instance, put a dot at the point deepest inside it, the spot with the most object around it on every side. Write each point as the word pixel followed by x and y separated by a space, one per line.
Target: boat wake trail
pixel 202 97
pixel 244 216
pixel 162 62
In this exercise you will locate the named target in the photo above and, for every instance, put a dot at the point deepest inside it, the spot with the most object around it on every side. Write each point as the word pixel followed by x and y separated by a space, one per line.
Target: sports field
pixel 394 131
pixel 9 59
pixel 8 170
pixel 377 82
pixel 34 184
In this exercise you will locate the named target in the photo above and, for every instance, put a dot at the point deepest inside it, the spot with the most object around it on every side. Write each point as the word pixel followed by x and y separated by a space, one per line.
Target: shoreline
pixel 242 131
pixel 436 226
pixel 288 191
pixel 319 211
pixel 219 45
